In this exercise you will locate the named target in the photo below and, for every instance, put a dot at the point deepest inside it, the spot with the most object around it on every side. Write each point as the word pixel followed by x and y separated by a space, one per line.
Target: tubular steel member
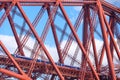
pixel 41 67
pixel 39 41
pixel 56 38
pixel 108 52
pixel 25 77
pixel 112 26
pixel 85 40
pixel 16 36
pixel 92 23
pixel 112 37
pixel 70 37
pixel 33 68
pixel 77 39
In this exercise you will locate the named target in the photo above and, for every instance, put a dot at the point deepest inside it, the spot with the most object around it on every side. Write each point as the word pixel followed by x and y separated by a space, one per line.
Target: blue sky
pixel 32 11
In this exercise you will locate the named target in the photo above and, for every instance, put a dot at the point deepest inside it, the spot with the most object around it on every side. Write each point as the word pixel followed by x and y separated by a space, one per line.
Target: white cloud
pixel 10 43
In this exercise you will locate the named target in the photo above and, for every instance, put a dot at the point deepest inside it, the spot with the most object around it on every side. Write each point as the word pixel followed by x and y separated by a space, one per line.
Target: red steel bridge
pixel 78 55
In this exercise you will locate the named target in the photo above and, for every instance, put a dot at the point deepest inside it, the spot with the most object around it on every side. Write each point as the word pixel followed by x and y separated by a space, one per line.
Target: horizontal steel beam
pixel 45 1
pixel 109 8
pixel 41 2
pixel 45 68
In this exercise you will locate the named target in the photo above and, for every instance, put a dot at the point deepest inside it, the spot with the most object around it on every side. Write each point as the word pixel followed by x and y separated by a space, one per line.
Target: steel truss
pixel 93 13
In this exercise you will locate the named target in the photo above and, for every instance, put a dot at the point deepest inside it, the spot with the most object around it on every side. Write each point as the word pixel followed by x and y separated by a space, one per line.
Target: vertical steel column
pixel 112 23
pixel 109 57
pixel 85 40
pixel 39 41
pixel 77 39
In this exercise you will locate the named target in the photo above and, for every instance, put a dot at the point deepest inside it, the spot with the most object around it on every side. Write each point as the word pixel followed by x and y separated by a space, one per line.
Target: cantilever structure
pixel 96 18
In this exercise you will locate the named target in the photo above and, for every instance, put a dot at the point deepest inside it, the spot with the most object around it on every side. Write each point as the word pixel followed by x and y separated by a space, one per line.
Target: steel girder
pixel 28 68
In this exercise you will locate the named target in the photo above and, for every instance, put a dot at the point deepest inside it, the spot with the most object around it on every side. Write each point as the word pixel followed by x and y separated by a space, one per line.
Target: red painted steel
pixel 77 48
